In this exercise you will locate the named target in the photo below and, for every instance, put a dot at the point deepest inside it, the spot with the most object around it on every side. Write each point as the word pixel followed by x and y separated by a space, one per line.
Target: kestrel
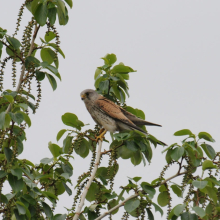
pixel 109 115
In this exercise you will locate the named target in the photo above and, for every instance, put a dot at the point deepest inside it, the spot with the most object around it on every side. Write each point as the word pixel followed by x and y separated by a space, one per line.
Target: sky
pixel 173 45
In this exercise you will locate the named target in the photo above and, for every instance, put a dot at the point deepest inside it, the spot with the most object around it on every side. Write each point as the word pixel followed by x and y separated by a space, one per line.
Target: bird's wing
pixel 114 111
pixel 137 120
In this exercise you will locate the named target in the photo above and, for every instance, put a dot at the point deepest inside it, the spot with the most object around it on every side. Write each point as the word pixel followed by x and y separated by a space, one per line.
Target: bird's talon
pixel 101 135
pixel 101 130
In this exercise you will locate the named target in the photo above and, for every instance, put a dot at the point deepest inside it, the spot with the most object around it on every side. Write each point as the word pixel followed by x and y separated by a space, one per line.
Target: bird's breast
pixel 104 120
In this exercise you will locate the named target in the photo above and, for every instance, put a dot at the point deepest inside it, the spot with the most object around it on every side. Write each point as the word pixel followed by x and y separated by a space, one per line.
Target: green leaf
pixel 148 152
pixel 29 199
pixel 104 86
pixel 67 143
pixel 47 55
pixel 32 106
pixel 97 72
pixel 8 153
pixel 26 117
pixel 93 189
pixel 83 148
pixel 112 204
pixel 7 121
pixel 40 75
pixel 21 208
pixel 110 59
pixel 124 152
pixel 17 172
pixel 49 36
pixel 206 136
pixel 31 61
pixel 54 149
pixel 9 98
pixel 163 198
pixel 57 48
pixel 213 180
pixel 2 174
pixel 68 190
pixel 131 145
pixel 46 160
pixel 69 2
pixel 67 168
pixel 59 217
pixel 34 5
pixel 148 189
pixel 137 178
pixel 2 32
pixel 122 69
pixel 15 183
pixel 51 68
pixel 183 132
pixel 177 153
pixel 207 164
pixel 199 184
pixel 178 209
pixel 210 152
pixel 60 134
pixel 199 211
pixel 47 210
pixel 131 205
pixel 52 81
pixel 136 158
pixel 212 192
pixel 41 14
pixel 13 42
pixel 177 190
pixel 23 106
pixel 52 12
pixel 17 117
pixel 2 120
pixel 63 18
pixel 49 195
pixel 28 94
pixel 188 216
pixel 150 214
pixel 71 119
pixel 168 155
pixel 157 208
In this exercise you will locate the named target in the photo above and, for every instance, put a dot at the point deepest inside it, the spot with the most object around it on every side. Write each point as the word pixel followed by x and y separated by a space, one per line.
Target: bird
pixel 110 116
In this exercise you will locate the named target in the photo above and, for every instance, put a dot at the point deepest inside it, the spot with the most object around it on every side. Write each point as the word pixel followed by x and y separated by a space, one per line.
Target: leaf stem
pixel 135 195
pixel 23 66
pixel 83 196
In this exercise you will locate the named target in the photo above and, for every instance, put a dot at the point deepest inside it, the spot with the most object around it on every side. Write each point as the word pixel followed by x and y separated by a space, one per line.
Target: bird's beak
pixel 83 96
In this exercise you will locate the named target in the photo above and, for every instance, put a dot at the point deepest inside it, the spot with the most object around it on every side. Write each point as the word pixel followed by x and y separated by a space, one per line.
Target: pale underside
pixel 107 122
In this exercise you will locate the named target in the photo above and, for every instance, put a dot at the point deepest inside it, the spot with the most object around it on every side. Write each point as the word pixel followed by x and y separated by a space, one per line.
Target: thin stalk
pixel 23 65
pixel 83 196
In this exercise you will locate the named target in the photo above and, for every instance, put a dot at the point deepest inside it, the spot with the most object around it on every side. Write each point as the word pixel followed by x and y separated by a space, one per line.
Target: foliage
pixel 35 189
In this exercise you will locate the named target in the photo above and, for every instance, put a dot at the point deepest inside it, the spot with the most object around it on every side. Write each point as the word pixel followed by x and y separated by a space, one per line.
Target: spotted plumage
pixel 109 115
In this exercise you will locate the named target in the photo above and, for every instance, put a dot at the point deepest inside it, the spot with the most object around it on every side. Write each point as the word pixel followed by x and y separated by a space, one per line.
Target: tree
pixel 36 188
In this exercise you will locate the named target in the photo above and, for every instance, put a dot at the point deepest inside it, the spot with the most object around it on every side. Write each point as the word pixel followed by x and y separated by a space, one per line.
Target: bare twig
pixel 23 66
pixel 135 195
pixel 83 196
pixel 116 207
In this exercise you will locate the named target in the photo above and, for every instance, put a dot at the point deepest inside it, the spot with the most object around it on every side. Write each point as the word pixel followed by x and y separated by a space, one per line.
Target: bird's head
pixel 88 94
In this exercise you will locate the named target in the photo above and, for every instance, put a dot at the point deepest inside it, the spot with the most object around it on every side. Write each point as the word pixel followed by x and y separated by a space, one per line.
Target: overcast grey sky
pixel 173 45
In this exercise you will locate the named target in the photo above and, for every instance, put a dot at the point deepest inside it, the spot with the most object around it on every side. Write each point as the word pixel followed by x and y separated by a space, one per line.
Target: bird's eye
pixel 87 94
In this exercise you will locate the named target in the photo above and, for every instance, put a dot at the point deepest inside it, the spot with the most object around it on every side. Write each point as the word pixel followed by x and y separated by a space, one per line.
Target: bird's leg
pixel 102 132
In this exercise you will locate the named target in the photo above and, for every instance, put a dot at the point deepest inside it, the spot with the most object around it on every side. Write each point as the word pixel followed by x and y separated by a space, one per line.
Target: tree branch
pixel 83 196
pixel 23 66
pixel 136 195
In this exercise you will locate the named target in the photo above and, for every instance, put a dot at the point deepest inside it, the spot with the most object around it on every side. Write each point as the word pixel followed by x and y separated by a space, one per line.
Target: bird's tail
pixel 144 132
